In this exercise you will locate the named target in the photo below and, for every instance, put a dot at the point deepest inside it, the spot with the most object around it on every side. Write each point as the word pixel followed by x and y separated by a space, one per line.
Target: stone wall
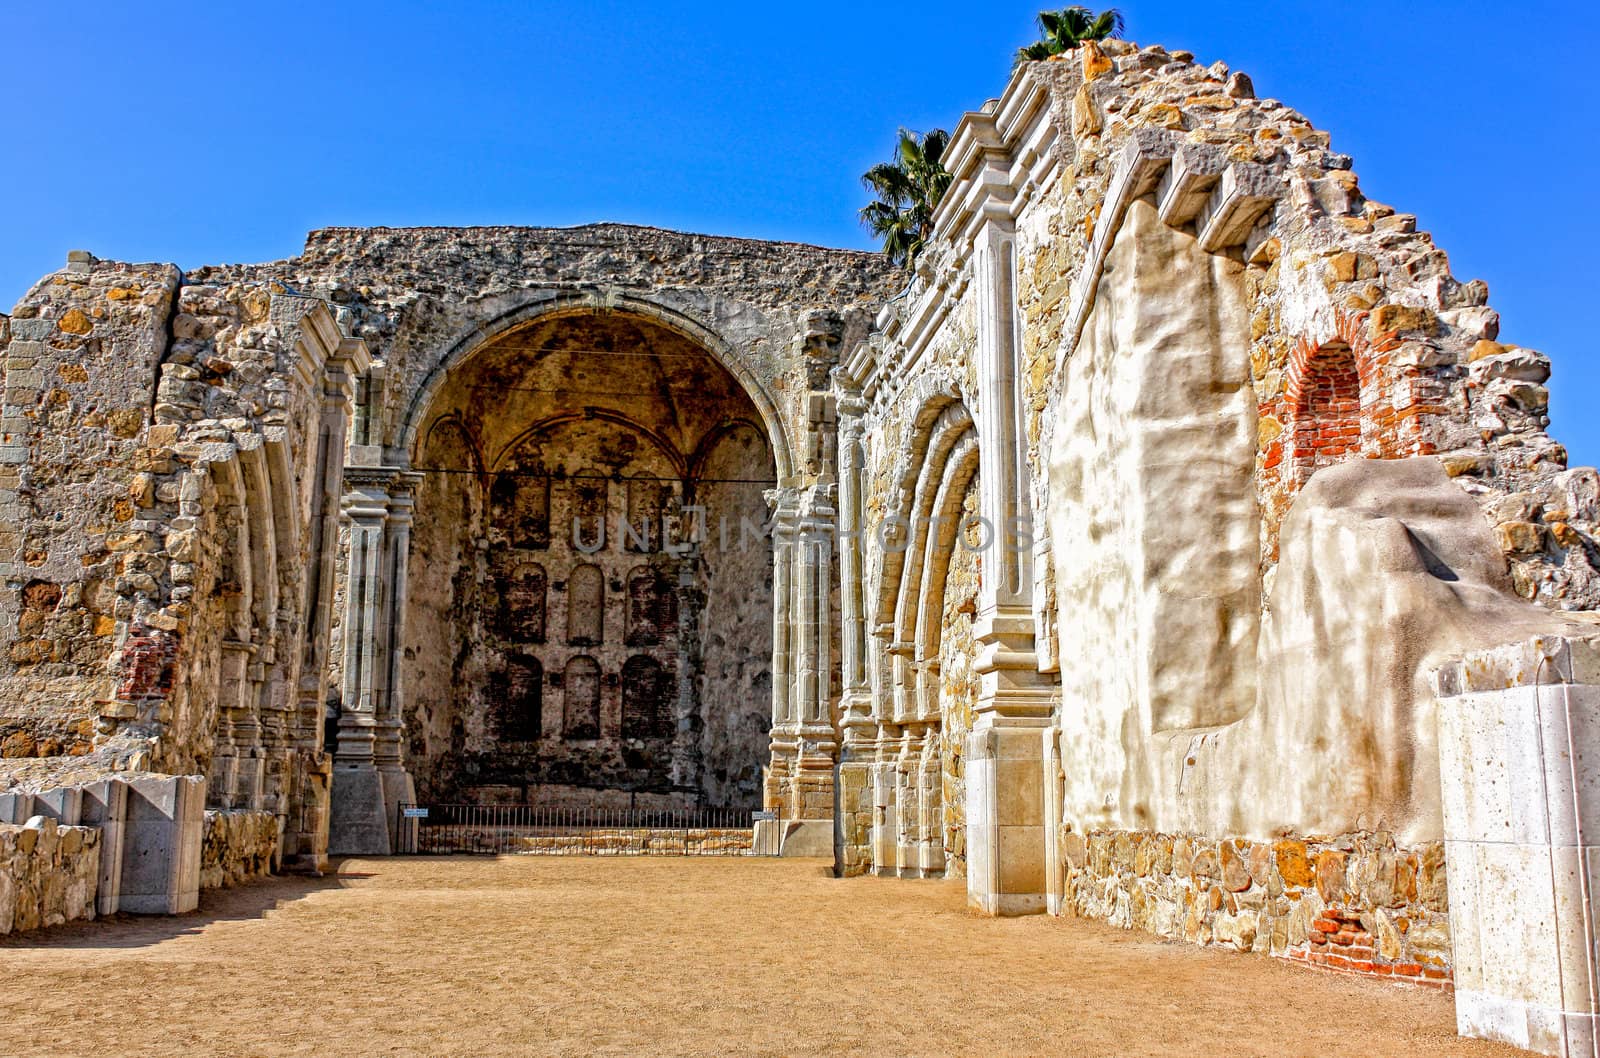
pixel 1213 318
pixel 1358 903
pixel 239 847
pixel 48 874
pixel 169 500
pixel 958 684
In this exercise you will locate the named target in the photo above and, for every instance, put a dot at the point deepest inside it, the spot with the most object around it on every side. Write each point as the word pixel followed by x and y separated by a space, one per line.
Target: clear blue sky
pixel 198 133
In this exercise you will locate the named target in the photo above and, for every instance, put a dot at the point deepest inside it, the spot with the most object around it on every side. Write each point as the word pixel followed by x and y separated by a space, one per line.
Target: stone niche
pixel 588 624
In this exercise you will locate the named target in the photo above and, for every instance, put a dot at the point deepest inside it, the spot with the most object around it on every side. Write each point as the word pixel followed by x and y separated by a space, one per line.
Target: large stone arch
pixel 593 407
pixel 551 305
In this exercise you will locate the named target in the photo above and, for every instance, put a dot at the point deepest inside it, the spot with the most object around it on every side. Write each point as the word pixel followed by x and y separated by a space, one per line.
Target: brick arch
pixel 1328 397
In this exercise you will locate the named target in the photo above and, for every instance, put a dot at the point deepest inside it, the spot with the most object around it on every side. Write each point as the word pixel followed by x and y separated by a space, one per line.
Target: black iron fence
pixel 552 831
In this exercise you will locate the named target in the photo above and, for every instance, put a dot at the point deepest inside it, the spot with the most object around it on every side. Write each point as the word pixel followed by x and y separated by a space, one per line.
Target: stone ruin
pixel 1181 547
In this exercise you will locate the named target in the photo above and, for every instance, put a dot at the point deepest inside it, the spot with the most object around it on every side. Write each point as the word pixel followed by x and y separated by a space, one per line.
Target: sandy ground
pixel 577 956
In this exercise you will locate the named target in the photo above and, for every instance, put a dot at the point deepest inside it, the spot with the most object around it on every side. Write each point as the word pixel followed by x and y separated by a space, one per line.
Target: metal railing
pixel 497 830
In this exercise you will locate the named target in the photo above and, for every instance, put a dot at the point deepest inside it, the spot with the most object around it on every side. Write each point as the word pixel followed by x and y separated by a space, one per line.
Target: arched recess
pixel 519 691
pixel 233 650
pixel 940 421
pixel 622 420
pixel 1325 391
pixel 647 699
pixel 523 604
pixel 586 605
pixel 652 607
pixel 735 626
pixel 548 425
pixel 447 594
pixel 557 304
pixel 934 492
pixel 580 711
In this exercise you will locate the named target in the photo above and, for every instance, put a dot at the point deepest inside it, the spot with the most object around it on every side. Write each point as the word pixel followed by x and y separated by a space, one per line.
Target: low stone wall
pixel 1356 903
pixel 48 874
pixel 598 841
pixel 239 846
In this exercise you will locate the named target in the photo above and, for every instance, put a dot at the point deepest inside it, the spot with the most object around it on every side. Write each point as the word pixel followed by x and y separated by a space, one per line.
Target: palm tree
pixel 907 189
pixel 1064 30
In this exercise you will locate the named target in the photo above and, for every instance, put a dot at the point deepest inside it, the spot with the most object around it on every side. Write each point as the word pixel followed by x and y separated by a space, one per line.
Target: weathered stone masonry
pixel 1272 468
pixel 292 428
pixel 1151 555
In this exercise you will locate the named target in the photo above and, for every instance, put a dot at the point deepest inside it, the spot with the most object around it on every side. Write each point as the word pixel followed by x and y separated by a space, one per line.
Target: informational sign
pixel 414 813
pixel 764 815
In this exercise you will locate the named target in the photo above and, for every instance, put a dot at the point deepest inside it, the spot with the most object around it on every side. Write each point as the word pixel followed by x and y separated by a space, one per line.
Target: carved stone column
pixel 306 833
pixel 853 801
pixel 369 777
pixel 785 726
pixel 387 752
pixel 1005 759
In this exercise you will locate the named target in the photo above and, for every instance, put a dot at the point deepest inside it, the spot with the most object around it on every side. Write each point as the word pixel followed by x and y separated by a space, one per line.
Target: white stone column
pixel 811 781
pixel 369 778
pixel 785 725
pixel 1519 760
pixel 388 755
pixel 853 801
pixel 1005 789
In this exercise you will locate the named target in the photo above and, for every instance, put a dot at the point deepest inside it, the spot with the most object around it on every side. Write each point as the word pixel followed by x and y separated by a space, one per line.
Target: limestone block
pixel 1521 779
pixel 164 831
pixel 16 807
pixel 63 804
pixel 105 806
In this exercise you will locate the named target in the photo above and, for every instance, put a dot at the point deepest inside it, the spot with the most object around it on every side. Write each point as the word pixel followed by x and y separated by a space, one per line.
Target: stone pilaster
pixel 369 777
pixel 805 743
pixel 819 741
pixel 858 731
pixel 1005 767
pixel 306 836
pixel 388 754
pixel 785 725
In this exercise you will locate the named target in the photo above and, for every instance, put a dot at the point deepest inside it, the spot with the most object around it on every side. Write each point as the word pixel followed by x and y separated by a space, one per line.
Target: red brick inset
pixel 145 668
pixel 1338 941
pixel 1345 395
pixel 1328 395
pixel 1325 409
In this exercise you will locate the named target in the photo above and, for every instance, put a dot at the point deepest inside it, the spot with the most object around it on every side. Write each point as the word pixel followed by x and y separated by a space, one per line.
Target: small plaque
pixel 414 813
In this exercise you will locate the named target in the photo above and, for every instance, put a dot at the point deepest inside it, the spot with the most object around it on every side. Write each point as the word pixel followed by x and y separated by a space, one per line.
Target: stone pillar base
pixel 398 789
pixel 806 838
pixel 852 853
pixel 162 835
pixel 1005 820
pixel 1520 780
pixel 360 816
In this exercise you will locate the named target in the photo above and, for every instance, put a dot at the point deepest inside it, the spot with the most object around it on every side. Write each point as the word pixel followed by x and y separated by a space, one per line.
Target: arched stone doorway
pixel 590 591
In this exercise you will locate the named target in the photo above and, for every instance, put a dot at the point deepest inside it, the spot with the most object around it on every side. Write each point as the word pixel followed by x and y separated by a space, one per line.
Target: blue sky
pixel 225 131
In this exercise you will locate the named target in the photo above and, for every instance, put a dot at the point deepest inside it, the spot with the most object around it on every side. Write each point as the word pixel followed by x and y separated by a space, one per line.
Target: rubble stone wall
pixel 238 847
pixel 1358 903
pixel 48 874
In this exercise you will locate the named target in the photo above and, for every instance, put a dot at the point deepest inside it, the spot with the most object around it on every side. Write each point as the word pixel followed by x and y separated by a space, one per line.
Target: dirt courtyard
pixel 578 956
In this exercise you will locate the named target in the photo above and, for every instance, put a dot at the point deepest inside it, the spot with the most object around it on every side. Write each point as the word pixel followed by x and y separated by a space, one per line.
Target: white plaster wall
pixel 1187 706
pixel 1153 516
